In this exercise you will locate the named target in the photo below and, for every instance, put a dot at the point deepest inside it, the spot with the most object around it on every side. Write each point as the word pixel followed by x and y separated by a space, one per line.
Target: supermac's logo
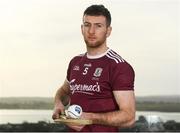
pixel 84 88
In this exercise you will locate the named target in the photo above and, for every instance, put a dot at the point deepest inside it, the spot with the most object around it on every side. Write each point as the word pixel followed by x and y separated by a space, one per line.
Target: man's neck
pixel 97 51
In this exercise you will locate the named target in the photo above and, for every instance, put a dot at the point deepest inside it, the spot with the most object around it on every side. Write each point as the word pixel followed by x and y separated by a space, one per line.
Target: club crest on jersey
pixel 98 72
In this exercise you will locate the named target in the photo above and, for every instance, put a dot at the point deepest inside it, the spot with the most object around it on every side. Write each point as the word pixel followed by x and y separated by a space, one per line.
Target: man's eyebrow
pixel 93 23
pixel 86 22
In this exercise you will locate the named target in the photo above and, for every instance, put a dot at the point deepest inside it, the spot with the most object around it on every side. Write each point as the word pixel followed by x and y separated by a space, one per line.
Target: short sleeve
pixel 122 77
pixel 69 71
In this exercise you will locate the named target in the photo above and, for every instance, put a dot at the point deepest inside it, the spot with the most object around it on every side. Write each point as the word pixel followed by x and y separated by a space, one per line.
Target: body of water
pixel 19 116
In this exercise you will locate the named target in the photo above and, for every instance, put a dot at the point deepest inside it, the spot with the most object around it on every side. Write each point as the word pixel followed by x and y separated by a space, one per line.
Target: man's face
pixel 95 30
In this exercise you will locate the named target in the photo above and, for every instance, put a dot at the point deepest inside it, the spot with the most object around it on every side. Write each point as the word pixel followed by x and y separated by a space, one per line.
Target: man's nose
pixel 92 30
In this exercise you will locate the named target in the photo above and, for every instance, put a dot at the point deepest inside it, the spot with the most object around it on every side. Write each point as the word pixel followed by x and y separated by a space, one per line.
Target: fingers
pixel 55 116
pixel 58 110
pixel 57 113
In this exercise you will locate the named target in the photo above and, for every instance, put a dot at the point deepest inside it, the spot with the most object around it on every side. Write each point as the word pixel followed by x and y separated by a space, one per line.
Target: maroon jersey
pixel 93 79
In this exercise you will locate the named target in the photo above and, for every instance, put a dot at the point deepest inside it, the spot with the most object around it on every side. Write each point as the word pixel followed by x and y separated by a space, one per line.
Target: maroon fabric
pixel 92 82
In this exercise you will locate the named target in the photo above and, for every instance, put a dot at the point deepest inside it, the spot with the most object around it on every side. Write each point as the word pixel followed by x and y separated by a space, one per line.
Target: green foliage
pixel 41 126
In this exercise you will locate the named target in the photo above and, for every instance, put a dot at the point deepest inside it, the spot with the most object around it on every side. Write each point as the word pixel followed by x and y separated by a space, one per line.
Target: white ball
pixel 74 111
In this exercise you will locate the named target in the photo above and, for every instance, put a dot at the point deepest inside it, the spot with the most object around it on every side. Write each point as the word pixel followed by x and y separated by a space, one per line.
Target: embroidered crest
pixel 98 72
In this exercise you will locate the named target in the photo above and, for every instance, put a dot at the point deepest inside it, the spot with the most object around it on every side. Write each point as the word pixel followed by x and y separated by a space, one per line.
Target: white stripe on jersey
pixel 112 58
pixel 117 58
pixel 116 55
pixel 112 55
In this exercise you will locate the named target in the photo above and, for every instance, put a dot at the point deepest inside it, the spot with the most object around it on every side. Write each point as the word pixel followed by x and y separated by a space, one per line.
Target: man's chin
pixel 92 44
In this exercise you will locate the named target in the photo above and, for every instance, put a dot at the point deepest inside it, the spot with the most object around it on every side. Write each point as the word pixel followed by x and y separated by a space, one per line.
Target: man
pixel 100 81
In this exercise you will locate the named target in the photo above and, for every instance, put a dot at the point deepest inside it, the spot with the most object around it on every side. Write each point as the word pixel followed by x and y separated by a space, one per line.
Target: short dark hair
pixel 98 10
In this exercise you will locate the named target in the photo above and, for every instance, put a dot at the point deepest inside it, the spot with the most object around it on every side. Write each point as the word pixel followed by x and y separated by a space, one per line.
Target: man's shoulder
pixel 78 57
pixel 114 57
pixel 116 60
pixel 119 65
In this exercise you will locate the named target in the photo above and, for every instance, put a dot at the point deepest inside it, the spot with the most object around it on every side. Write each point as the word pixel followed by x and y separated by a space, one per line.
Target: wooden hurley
pixel 65 120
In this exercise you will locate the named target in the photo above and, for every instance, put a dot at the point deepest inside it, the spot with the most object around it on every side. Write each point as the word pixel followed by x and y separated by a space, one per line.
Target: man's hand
pixel 58 110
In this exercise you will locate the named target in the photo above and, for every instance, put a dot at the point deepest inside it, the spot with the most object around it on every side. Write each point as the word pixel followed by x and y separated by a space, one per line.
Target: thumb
pixel 63 112
pixel 55 116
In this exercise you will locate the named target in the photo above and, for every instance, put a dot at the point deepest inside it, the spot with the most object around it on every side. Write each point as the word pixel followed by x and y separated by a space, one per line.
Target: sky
pixel 38 38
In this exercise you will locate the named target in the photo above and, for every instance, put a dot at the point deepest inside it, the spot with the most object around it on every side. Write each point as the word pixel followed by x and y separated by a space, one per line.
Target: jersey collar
pixel 97 56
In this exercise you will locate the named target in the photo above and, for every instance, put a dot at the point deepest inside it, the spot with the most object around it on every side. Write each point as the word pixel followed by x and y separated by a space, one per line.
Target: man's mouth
pixel 91 38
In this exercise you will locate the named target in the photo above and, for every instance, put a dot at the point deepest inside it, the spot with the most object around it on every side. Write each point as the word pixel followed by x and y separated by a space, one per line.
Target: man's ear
pixel 82 29
pixel 109 29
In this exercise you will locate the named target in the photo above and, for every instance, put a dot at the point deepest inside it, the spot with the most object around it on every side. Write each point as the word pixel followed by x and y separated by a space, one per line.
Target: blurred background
pixel 38 38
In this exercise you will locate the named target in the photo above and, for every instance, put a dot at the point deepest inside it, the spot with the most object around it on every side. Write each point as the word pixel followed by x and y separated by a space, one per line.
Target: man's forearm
pixel 61 96
pixel 60 101
pixel 116 118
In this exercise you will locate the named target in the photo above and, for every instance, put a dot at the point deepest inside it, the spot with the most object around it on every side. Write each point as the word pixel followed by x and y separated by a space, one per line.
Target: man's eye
pixel 86 25
pixel 98 25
